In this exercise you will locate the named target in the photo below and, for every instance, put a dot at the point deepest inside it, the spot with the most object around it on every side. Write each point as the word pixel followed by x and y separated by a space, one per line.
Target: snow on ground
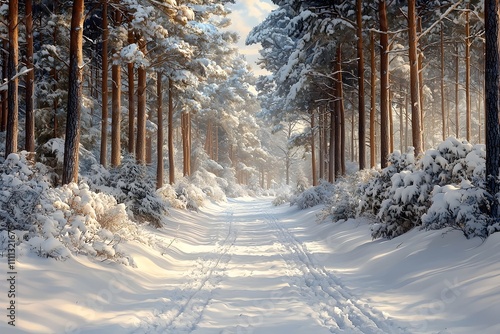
pixel 248 267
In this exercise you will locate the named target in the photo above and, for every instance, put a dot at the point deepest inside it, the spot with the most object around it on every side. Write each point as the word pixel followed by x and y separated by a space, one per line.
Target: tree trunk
pixel 361 87
pixel 141 109
pixel 340 115
pixel 420 82
pixel 159 140
pixel 116 113
pixel 313 150
pixel 12 87
pixel 373 74
pixel 4 110
pixel 30 79
pixel 104 85
pixel 391 120
pixel 321 148
pixel 384 85
pixel 72 141
pixel 457 115
pixel 467 74
pixel 414 82
pixel 171 164
pixel 131 94
pixel 492 86
pixel 443 109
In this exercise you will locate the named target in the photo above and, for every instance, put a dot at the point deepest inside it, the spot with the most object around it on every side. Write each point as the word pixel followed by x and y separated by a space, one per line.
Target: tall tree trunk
pixel 361 87
pixel 391 120
pixel 12 87
pixel 72 141
pixel 131 95
pixel 340 114
pixel 4 110
pixel 457 115
pixel 373 73
pixel 384 85
pixel 116 113
pixel 116 105
pixel 159 139
pixel 492 86
pixel 414 85
pixel 467 74
pixel 321 149
pixel 420 82
pixel 141 108
pixel 331 151
pixel 171 164
pixel 104 84
pixel 313 149
pixel 443 109
pixel 30 79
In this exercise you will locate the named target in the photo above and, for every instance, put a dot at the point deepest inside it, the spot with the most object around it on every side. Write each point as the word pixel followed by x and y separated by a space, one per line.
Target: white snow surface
pixel 247 267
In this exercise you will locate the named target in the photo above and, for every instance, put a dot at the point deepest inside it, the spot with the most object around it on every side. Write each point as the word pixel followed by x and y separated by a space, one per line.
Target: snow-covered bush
pixel 377 189
pixel 313 196
pixel 407 201
pixel 55 222
pixel 22 182
pixel 343 202
pixel 135 188
pixel 454 166
pixel 464 207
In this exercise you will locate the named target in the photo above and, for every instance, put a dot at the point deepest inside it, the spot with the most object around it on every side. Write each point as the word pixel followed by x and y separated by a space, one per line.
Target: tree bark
pixel 116 113
pixel 313 150
pixel 373 74
pixel 340 154
pixel 361 86
pixel 171 163
pixel 30 80
pixel 321 148
pixel 131 97
pixel 141 109
pixel 467 74
pixel 72 141
pixel 384 85
pixel 492 86
pixel 414 81
pixel 159 139
pixel 420 81
pixel 443 109
pixel 12 87
pixel 457 115
pixel 4 110
pixel 104 85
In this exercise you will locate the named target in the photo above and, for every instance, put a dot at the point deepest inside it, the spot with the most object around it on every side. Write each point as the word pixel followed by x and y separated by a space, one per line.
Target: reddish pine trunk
pixel 159 140
pixel 384 85
pixel 171 165
pixel 12 91
pixel 72 140
pixel 30 79
pixel 361 87
pixel 414 81
pixel 104 85
pixel 141 109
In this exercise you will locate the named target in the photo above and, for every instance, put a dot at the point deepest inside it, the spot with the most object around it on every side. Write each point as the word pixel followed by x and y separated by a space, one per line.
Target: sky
pixel 245 15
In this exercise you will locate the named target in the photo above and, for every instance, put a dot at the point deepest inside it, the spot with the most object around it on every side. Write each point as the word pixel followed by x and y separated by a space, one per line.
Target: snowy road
pixel 259 278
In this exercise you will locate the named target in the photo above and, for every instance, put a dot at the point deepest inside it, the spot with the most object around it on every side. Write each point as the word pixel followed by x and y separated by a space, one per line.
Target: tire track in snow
pixel 183 312
pixel 336 309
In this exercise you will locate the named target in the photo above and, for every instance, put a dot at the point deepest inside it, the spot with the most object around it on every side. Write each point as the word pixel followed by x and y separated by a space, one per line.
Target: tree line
pixel 102 74
pixel 407 73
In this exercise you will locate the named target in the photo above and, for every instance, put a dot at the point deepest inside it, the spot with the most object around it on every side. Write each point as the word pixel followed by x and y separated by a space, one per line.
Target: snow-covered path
pixel 258 278
pixel 248 267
